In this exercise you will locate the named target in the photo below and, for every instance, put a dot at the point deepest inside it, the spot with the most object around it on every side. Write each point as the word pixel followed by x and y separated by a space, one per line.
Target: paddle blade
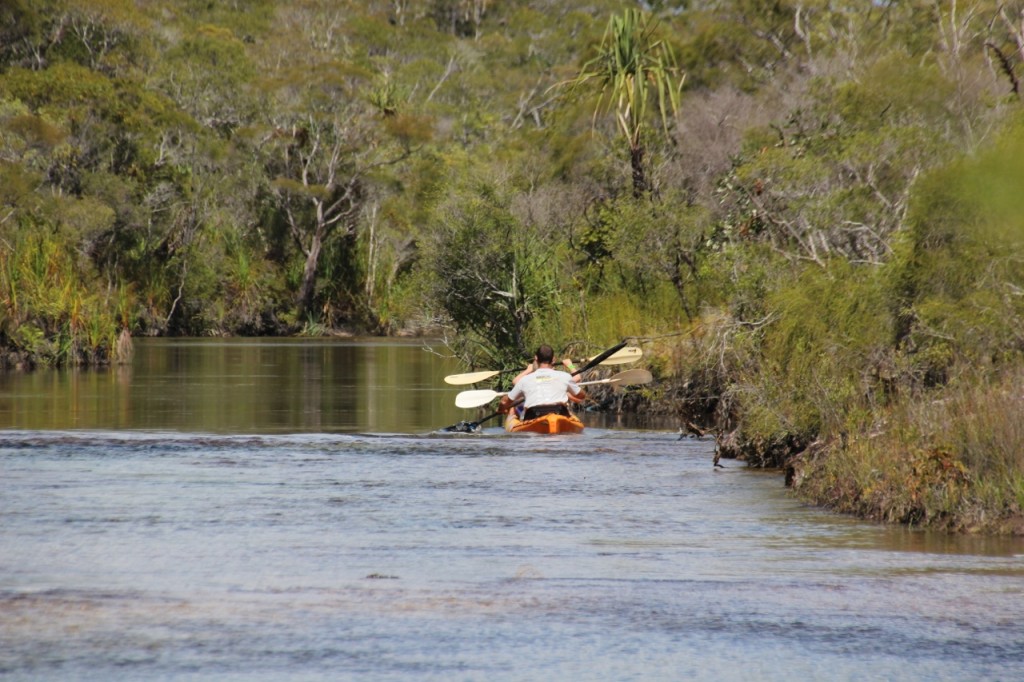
pixel 631 377
pixel 470 377
pixel 470 427
pixel 598 359
pixel 462 427
pixel 475 398
pixel 626 355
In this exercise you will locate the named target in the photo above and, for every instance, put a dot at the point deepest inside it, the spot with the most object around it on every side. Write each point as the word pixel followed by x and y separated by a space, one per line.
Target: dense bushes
pixel 944 446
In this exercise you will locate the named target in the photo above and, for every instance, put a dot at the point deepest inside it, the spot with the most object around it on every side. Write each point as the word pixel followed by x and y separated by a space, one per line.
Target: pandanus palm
pixel 631 69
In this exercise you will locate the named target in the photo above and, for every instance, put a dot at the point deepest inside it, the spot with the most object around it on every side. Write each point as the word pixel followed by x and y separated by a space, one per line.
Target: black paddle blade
pixel 470 427
pixel 463 427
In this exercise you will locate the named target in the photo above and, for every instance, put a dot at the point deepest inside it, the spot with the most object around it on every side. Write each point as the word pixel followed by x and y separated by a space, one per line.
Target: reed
pixel 952 459
pixel 982 424
pixel 49 314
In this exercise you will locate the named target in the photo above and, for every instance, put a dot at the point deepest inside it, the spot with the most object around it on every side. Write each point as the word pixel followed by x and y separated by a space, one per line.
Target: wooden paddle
pixel 630 377
pixel 619 357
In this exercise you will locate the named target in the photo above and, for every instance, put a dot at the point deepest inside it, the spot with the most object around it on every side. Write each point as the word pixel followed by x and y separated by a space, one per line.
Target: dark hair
pixel 545 355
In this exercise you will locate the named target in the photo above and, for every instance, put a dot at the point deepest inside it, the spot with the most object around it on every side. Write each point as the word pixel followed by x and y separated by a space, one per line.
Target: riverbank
pixel 949 460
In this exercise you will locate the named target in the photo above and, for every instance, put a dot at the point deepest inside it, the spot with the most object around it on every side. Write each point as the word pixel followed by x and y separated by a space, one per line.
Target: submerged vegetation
pixel 808 211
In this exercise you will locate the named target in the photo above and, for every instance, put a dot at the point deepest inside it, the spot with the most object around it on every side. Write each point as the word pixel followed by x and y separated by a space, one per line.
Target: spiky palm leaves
pixel 633 68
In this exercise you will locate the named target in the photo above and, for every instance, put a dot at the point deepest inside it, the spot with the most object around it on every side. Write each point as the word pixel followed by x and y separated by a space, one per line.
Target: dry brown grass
pixel 954 461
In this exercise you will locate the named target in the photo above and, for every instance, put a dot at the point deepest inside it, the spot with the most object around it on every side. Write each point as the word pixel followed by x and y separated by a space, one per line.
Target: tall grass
pixel 983 424
pixel 585 322
pixel 48 313
pixel 953 460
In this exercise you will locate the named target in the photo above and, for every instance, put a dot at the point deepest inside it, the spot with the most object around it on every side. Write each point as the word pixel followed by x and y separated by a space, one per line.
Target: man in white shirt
pixel 542 388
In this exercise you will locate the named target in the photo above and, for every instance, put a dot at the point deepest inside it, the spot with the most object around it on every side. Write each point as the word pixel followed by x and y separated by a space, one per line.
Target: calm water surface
pixel 318 546
pixel 244 386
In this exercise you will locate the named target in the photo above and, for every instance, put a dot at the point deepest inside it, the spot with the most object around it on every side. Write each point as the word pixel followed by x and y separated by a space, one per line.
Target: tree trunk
pixel 306 291
pixel 636 159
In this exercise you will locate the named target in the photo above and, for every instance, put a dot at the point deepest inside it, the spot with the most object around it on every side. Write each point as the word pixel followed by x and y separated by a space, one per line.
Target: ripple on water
pixel 615 555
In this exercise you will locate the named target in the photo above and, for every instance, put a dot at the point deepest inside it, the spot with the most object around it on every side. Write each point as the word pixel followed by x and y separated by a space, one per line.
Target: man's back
pixel 545 386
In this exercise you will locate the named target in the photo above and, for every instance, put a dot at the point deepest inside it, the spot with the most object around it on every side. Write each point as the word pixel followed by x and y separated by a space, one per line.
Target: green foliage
pixel 745 43
pixel 632 68
pixel 246 20
pixel 895 91
pixel 49 311
pixel 493 274
pixel 17 185
pixel 834 179
pixel 21 23
pixel 960 267
pixel 210 74
pixel 64 85
pixel 827 330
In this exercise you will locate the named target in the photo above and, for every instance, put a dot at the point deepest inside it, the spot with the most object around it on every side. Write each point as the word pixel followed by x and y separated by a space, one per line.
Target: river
pixel 289 511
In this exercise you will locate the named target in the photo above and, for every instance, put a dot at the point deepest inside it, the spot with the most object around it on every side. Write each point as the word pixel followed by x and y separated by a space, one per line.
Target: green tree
pixel 492 273
pixel 633 68
pixel 323 166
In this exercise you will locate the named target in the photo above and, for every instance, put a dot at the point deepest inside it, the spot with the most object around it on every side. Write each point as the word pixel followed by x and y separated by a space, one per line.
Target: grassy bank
pixel 889 390
pixel 952 460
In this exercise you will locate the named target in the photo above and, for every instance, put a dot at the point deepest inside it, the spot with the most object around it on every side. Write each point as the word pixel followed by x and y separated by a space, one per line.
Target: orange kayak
pixel 549 423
